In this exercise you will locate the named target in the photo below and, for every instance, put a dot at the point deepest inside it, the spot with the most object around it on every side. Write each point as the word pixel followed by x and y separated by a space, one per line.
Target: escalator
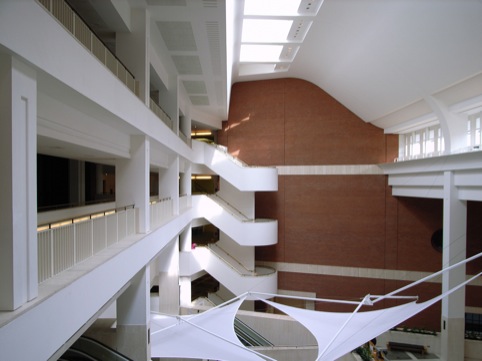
pixel 248 336
pixel 88 349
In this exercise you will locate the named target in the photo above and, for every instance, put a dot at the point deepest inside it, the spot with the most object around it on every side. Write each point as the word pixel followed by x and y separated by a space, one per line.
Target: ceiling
pixel 379 58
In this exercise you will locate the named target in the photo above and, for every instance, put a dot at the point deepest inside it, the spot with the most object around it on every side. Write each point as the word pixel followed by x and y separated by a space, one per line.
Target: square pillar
pixel 454 250
pixel 168 268
pixel 132 180
pixel 133 318
pixel 18 183
pixel 169 180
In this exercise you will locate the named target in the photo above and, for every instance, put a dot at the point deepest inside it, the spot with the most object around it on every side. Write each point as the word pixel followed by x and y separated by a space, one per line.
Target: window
pixel 473 130
pixel 421 143
pixel 473 326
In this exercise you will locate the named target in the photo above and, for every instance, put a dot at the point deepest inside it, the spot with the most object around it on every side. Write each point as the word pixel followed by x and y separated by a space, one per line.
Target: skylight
pixel 271 7
pixel 265 30
pixel 273 31
pixel 260 53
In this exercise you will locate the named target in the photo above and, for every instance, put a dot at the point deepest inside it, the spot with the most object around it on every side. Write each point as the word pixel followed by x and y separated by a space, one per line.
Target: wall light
pixel 201 133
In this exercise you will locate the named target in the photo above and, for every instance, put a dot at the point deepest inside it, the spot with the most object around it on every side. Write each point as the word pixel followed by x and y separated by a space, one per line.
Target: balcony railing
pixel 161 114
pixel 81 31
pixel 63 244
pixel 185 201
pixel 160 211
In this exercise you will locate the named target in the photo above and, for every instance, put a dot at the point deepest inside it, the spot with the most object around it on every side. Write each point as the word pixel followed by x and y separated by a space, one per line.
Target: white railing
pixel 160 211
pixel 76 26
pixel 228 207
pixel 161 114
pixel 62 245
pixel 184 138
pixel 185 201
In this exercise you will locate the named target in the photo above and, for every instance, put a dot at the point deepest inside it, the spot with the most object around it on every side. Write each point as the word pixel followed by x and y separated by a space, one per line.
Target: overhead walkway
pixel 229 272
pixel 243 230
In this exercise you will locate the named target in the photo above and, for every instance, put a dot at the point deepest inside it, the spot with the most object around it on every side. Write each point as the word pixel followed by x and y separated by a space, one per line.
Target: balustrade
pixel 62 245
pixel 81 31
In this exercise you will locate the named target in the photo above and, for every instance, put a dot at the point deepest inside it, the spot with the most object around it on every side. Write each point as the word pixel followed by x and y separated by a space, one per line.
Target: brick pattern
pixel 339 220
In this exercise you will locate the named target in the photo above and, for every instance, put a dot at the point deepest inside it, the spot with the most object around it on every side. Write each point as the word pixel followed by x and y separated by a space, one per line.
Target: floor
pixel 402 355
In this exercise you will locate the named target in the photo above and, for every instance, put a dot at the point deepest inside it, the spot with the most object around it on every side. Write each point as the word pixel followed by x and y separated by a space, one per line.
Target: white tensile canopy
pixel 210 335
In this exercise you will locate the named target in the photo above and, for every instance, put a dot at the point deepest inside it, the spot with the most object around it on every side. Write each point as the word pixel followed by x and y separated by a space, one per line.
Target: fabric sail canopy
pixel 208 335
pixel 211 335
pixel 354 329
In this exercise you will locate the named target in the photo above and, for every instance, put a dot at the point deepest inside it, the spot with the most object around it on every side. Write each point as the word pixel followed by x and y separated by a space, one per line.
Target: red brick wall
pixel 349 221
pixel 293 122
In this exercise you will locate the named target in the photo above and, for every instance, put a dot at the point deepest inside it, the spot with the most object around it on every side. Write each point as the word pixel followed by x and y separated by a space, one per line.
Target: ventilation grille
pixel 212 29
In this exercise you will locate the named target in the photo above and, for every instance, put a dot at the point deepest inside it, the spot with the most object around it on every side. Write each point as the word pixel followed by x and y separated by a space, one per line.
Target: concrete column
pixel 185 125
pixel 99 180
pixel 454 250
pixel 77 183
pixel 133 318
pixel 18 183
pixel 169 102
pixel 185 184
pixel 169 183
pixel 132 48
pixel 169 278
pixel 132 180
pixel 185 242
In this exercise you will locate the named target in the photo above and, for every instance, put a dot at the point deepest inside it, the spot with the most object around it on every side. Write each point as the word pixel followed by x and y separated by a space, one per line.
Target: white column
pixel 169 183
pixel 454 250
pixel 18 183
pixel 168 264
pixel 133 47
pixel 133 318
pixel 169 101
pixel 185 184
pixel 185 241
pixel 132 180
pixel 77 182
pixel 99 181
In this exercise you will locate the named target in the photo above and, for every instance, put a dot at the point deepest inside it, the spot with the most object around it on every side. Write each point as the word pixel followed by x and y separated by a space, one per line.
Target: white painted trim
pixel 357 169
pixel 358 272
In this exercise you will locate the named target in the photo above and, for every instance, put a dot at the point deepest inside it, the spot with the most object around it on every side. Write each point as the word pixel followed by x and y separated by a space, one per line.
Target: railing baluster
pixel 80 30
pixel 64 246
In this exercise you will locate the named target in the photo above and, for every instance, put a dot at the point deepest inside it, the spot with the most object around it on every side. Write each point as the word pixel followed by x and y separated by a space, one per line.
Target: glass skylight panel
pixel 265 30
pixel 271 7
pixel 260 53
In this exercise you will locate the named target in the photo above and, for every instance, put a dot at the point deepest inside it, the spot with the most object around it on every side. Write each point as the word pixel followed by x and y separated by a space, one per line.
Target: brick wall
pixel 336 220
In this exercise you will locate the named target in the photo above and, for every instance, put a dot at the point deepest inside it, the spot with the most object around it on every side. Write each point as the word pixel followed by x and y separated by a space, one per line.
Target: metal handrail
pixel 87 37
pixel 84 217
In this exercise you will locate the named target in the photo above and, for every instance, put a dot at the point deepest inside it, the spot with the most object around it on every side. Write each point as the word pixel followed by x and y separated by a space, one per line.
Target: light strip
pixel 201 132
